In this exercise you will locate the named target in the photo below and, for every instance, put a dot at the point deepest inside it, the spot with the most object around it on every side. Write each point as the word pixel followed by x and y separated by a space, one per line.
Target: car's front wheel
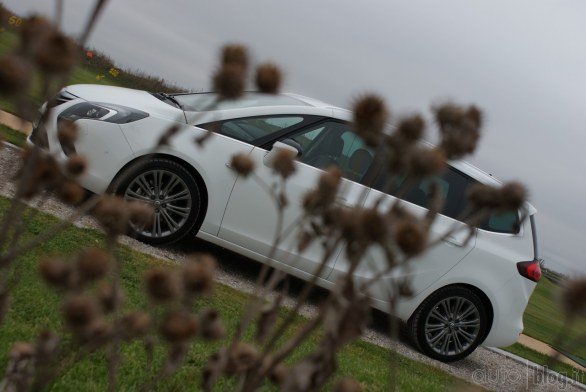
pixel 172 192
pixel 449 324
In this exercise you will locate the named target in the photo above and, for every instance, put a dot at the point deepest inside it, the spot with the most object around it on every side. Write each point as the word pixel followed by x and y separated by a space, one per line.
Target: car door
pixel 423 270
pixel 251 215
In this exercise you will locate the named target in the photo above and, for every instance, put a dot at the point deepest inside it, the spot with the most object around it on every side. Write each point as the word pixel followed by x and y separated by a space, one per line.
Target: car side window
pixel 502 222
pixel 253 128
pixel 453 185
pixel 334 143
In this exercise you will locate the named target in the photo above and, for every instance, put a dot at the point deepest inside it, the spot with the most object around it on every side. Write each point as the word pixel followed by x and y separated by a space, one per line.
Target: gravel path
pixel 486 367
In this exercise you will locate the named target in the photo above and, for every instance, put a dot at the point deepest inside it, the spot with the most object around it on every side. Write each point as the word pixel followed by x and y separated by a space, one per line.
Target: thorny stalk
pixel 175 316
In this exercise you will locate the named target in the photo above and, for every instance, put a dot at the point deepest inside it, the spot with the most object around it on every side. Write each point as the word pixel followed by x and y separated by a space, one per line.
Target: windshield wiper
pixel 172 99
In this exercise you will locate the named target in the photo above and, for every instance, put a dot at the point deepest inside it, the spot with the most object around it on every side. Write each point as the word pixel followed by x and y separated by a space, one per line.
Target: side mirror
pixel 269 159
pixel 294 144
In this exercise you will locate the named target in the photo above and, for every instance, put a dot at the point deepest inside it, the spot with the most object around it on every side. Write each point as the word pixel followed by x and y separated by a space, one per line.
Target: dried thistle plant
pixel 90 283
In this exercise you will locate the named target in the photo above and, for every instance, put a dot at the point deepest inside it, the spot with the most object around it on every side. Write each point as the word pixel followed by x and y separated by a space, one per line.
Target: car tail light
pixel 530 269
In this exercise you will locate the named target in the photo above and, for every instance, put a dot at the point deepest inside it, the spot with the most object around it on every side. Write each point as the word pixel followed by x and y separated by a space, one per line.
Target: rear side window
pixel 453 184
pixel 505 222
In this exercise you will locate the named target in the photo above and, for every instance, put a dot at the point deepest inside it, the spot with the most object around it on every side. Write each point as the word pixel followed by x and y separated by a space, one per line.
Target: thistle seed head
pixel 178 327
pixel 483 196
pixel 241 358
pixel 161 285
pixel 315 201
pixel 573 298
pixel 70 192
pixel 21 350
pixel 56 272
pixel 235 55
pixel 411 128
pixel 347 384
pixel 211 325
pixel 76 165
pixel 80 311
pixel 67 132
pixel 33 34
pixel 242 164
pixel 448 114
pixel 411 237
pixel 474 114
pixel 370 117
pixel 109 298
pixel 460 142
pixel 140 213
pixel 15 75
pixel 425 162
pixel 374 226
pixel 512 195
pixel 229 82
pixel 135 324
pixel 112 215
pixel 92 264
pixel 58 54
pixel 98 332
pixel 198 273
pixel 284 163
pixel 268 78
pixel 279 373
pixel 460 129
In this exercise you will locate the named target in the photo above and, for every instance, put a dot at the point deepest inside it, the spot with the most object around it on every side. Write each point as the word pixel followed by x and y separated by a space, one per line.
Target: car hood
pixel 137 99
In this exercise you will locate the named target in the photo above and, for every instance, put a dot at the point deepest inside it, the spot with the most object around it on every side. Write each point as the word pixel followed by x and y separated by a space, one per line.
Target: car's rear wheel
pixel 173 193
pixel 449 324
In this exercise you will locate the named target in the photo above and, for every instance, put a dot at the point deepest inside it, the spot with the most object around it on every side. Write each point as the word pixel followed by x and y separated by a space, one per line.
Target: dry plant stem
pixel 394 333
pixel 294 342
pixel 15 204
pixel 114 354
pixel 58 13
pixel 51 232
pixel 98 7
pixel 307 288
pixel 254 305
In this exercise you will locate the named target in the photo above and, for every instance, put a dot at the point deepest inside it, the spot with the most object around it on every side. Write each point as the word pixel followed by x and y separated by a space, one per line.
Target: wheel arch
pixel 192 170
pixel 483 297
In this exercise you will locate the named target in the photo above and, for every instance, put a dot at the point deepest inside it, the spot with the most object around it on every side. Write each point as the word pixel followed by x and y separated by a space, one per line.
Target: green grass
pixel 12 136
pixel 544 319
pixel 35 307
pixel 542 359
pixel 85 72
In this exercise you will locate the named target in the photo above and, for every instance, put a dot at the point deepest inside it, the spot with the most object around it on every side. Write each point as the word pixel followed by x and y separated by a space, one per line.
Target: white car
pixel 466 293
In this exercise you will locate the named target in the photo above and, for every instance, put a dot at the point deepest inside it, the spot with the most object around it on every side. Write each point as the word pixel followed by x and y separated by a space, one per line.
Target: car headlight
pixel 102 112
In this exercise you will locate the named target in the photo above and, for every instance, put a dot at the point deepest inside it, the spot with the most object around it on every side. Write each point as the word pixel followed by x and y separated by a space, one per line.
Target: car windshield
pixel 201 102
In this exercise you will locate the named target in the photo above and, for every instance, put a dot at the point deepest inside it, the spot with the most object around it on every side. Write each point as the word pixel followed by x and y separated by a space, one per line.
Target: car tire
pixel 449 324
pixel 173 192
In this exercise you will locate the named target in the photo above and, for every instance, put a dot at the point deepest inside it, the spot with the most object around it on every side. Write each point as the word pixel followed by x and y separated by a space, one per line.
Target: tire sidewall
pixel 121 183
pixel 417 322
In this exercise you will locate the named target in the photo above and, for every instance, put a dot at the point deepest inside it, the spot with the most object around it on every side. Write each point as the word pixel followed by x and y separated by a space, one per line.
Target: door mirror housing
pixel 269 159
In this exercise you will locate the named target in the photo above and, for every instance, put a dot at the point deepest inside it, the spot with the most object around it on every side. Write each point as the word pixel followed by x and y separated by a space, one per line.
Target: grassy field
pixel 543 318
pixel 95 70
pixel 35 307
pixel 12 136
pixel 542 359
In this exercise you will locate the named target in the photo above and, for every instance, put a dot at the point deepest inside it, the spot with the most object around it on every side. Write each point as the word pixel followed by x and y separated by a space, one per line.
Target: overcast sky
pixel 523 62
